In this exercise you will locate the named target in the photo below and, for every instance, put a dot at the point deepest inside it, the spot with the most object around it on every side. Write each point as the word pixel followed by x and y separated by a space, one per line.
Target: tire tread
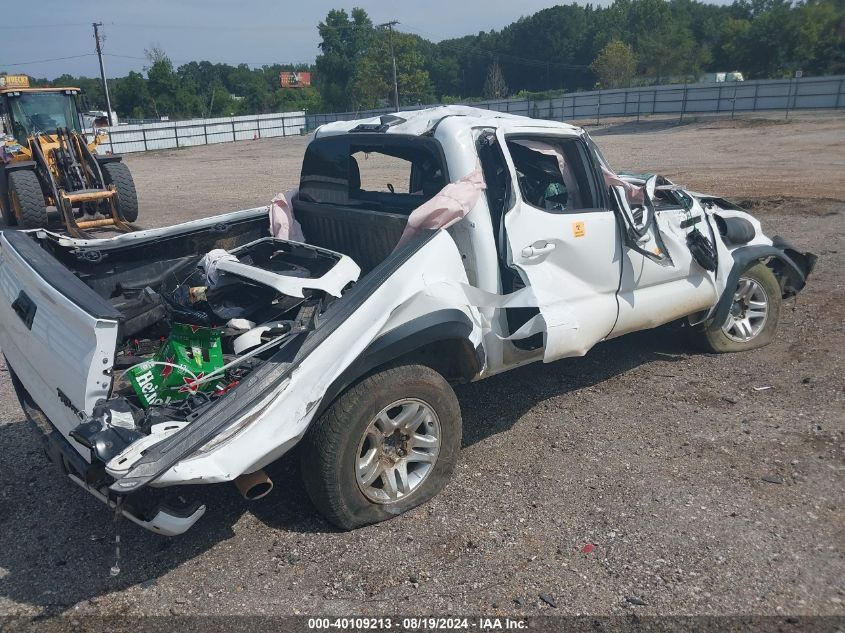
pixel 322 444
pixel 710 338
pixel 119 175
pixel 28 188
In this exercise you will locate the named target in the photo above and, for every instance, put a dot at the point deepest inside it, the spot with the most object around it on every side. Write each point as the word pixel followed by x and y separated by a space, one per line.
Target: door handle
pixel 535 251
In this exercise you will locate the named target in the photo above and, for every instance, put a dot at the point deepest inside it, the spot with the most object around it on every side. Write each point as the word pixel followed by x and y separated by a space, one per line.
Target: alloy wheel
pixel 749 311
pixel 398 450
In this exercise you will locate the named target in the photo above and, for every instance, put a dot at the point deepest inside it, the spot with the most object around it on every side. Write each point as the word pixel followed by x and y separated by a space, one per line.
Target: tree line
pixel 562 48
pixel 195 89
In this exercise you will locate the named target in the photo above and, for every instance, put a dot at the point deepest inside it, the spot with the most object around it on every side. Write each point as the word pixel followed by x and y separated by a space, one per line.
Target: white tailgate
pixel 66 349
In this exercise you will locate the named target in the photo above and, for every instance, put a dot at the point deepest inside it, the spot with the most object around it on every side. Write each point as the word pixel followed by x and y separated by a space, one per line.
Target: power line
pixel 197 27
pixel 188 61
pixel 44 61
pixel 210 27
pixel 143 59
pixel 42 26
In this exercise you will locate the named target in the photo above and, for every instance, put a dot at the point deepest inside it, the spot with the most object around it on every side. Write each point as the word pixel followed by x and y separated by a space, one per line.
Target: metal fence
pixel 748 96
pixel 124 139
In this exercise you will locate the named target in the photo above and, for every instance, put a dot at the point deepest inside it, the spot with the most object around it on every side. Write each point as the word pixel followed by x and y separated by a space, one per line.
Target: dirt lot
pixel 651 452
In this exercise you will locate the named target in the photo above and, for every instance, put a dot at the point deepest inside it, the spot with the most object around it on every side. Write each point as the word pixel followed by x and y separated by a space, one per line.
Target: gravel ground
pixel 642 478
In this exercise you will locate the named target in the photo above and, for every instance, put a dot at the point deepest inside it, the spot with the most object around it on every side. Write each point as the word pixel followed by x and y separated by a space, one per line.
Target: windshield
pixel 44 112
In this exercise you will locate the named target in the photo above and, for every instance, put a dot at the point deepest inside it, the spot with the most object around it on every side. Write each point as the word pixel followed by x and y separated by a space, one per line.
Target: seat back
pixel 368 237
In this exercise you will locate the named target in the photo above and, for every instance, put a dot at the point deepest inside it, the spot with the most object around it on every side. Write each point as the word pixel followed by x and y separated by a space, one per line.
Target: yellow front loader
pixel 47 161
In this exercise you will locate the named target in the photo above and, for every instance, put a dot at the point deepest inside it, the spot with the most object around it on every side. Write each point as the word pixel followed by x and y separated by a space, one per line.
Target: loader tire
pixel 27 200
pixel 118 174
pixel 404 414
pixel 753 319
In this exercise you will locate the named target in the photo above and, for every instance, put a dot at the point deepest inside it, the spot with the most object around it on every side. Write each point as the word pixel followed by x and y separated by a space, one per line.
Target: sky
pixel 255 32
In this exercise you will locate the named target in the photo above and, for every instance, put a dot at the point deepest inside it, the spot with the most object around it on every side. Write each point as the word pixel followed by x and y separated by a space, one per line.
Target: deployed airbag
pixel 453 202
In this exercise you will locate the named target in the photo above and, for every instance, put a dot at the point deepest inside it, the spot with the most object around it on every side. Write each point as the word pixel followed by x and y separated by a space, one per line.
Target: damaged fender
pixel 740 243
pixel 271 410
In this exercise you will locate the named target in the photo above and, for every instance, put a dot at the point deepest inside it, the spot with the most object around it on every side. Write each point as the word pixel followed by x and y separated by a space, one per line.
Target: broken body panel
pixel 526 275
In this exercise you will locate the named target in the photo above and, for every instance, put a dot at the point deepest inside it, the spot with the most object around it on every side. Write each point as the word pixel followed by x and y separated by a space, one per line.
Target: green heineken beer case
pixel 189 348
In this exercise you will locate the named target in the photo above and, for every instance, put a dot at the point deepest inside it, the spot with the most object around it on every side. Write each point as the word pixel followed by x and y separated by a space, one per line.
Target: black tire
pixel 712 337
pixel 119 175
pixel 26 200
pixel 331 448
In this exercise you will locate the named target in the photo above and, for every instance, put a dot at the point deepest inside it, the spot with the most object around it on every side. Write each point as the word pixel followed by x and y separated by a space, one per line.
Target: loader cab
pixel 32 111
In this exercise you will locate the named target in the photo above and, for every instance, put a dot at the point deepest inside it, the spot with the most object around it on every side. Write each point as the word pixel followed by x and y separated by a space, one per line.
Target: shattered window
pixel 380 172
pixel 552 173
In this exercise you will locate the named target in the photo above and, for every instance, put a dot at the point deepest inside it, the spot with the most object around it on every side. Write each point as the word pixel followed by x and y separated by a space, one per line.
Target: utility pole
pixel 390 26
pixel 99 41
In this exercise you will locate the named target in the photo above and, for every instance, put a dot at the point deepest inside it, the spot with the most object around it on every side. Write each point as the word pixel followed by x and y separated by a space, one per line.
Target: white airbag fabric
pixel 283 225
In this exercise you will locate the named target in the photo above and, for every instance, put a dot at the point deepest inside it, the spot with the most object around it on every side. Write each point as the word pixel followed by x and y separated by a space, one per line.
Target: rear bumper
pixel 152 510
pixel 164 520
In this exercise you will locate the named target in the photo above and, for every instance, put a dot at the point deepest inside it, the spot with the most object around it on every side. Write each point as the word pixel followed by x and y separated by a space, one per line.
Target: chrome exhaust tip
pixel 253 486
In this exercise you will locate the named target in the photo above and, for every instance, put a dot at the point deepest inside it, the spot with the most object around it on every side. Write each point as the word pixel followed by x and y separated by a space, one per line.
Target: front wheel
pixel 118 174
pixel 752 320
pixel 388 444
pixel 27 200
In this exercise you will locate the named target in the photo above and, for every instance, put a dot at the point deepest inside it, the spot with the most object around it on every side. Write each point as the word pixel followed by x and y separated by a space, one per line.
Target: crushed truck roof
pixel 417 122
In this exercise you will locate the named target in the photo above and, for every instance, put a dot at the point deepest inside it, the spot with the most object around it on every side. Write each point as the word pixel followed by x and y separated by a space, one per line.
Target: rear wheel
pixel 388 444
pixel 753 317
pixel 26 200
pixel 118 174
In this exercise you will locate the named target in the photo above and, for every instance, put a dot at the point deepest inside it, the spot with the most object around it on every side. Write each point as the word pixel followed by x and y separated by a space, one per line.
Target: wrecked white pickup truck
pixel 152 360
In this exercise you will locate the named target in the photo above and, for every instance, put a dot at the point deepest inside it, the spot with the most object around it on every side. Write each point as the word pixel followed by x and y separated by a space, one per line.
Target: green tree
pixel 130 97
pixel 372 84
pixel 295 99
pixel 771 39
pixel 344 39
pixel 821 45
pixel 615 65
pixel 671 53
pixel 564 46
pixel 162 83
pixel 734 49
